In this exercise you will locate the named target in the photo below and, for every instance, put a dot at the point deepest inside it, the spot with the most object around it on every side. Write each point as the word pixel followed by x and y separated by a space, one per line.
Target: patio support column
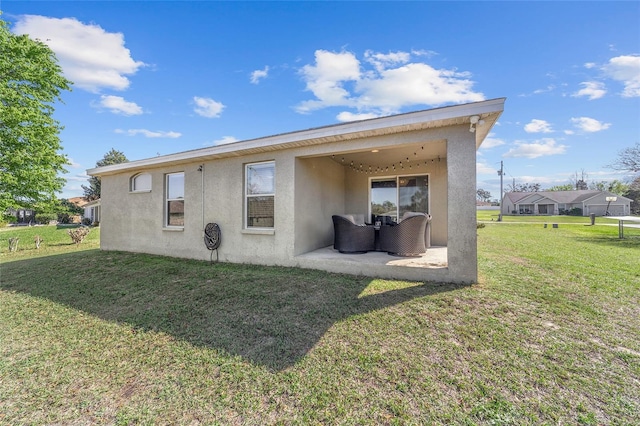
pixel 461 194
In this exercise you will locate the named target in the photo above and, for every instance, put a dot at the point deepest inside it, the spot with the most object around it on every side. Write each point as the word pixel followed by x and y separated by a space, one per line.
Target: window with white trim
pixel 174 200
pixel 141 182
pixel 259 195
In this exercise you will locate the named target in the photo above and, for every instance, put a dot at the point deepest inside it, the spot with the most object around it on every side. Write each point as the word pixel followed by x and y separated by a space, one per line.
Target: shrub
pixel 45 218
pixel 480 225
pixel 64 218
pixel 78 234
pixel 7 219
pixel 86 221
pixel 13 244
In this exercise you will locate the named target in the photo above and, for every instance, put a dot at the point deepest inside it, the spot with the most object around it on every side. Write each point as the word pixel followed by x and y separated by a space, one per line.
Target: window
pixel 141 182
pixel 394 196
pixel 174 205
pixel 259 195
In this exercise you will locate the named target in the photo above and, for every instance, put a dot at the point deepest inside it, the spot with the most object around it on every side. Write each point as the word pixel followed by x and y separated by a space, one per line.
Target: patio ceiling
pixel 410 154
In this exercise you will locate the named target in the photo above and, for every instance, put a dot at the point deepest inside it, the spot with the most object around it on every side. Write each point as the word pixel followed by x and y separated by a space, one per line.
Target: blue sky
pixel 163 77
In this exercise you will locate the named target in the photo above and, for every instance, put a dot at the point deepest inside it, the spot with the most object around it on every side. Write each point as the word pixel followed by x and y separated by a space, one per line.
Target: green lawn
pixel 492 215
pixel 548 336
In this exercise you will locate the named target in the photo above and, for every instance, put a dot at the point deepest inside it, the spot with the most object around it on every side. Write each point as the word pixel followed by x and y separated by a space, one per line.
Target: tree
pixel 567 187
pixel 580 182
pixel 634 194
pixel 615 186
pixel 628 159
pixel 92 192
pixel 30 82
pixel 483 195
pixel 523 187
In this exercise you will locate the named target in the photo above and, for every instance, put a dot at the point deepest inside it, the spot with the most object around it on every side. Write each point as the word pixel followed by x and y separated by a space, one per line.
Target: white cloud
pixel 207 107
pixel 549 88
pixel 491 142
pixel 381 61
pixel 117 105
pixel 258 75
pixel 390 82
pixel 149 134
pixel 589 125
pixel 89 56
pixel 538 126
pixel 225 140
pixel 345 116
pixel 541 148
pixel 625 69
pixel 591 89
pixel 73 164
pixel 485 169
pixel 325 79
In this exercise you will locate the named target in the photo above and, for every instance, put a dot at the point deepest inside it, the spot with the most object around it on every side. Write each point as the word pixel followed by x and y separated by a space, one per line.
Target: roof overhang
pixel 487 111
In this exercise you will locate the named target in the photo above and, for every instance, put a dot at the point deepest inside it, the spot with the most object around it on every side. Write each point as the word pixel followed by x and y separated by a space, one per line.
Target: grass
pixel 548 336
pixel 56 240
pixel 492 215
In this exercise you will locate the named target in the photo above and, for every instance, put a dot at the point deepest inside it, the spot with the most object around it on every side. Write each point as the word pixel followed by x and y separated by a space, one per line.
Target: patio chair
pixel 350 237
pixel 408 238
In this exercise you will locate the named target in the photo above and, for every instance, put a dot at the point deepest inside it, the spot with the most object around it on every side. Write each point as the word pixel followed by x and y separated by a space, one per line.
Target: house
pixel 78 201
pixel 23 216
pixel 273 197
pixel 580 203
pixel 92 211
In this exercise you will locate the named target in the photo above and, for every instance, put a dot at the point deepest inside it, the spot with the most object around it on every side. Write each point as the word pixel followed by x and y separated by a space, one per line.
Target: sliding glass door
pixel 394 196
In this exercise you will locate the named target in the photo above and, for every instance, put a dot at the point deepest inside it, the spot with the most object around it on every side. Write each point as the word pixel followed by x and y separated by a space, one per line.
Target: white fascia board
pixel 437 117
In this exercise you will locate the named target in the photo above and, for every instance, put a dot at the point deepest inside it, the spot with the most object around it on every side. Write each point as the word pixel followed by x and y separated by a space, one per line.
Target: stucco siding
pixel 311 182
pixel 462 247
pixel 319 193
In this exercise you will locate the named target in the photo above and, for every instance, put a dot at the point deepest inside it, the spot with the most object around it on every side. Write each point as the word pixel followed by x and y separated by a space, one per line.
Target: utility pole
pixel 501 174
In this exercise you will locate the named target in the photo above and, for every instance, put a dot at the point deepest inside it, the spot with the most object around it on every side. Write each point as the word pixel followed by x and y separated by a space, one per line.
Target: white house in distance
pixel 92 211
pixel 561 202
pixel 273 197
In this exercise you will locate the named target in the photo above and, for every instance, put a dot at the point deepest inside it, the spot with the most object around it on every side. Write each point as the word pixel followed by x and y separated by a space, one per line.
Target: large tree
pixel 30 159
pixel 483 195
pixel 92 192
pixel 628 159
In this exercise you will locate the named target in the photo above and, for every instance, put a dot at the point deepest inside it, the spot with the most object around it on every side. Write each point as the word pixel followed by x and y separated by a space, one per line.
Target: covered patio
pixel 432 264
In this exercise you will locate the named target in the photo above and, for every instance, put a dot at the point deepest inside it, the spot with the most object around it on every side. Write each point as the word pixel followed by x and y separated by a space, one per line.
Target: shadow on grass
pixel 270 316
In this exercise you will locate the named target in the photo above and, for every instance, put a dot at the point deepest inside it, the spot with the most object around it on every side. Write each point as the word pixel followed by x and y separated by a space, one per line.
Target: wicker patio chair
pixel 408 238
pixel 352 238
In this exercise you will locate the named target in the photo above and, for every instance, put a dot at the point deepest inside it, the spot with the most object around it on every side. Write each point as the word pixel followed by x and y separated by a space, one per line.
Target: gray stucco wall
pixel 319 194
pixel 462 250
pixel 309 188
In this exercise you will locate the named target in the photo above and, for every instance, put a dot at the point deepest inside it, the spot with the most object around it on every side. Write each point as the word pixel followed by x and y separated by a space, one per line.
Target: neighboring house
pixel 273 197
pixel 92 211
pixel 23 216
pixel 78 201
pixel 581 202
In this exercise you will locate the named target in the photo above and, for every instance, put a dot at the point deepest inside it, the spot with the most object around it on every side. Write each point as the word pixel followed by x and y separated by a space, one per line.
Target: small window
pixel 174 196
pixel 141 183
pixel 260 195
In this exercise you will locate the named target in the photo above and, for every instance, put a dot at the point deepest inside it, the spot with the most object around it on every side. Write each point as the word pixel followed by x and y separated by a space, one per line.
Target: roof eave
pixel 488 110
